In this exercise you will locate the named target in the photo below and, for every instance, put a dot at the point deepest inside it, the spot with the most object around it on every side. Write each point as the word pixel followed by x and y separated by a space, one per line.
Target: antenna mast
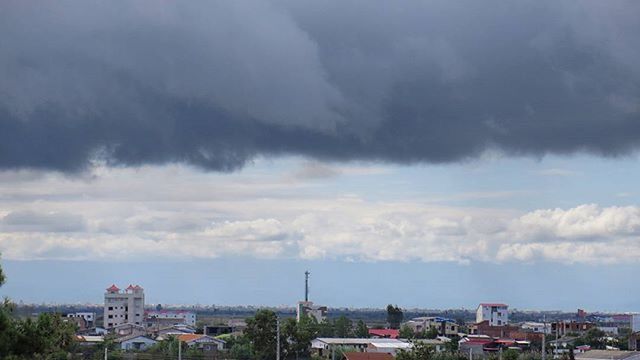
pixel 306 285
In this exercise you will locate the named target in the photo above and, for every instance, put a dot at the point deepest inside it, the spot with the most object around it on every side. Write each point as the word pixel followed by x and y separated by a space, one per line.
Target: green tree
pixel 362 331
pixel 406 332
pixel 261 332
pixel 241 351
pixel 343 327
pixel 394 316
pixel 451 346
pixel 299 334
pixel 510 354
pixel 325 329
pixel 593 337
pixel 47 337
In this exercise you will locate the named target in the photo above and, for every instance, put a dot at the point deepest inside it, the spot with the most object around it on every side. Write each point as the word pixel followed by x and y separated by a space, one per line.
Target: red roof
pixel 386 333
pixel 493 304
pixel 367 356
pixel 137 287
pixel 113 287
pixel 130 287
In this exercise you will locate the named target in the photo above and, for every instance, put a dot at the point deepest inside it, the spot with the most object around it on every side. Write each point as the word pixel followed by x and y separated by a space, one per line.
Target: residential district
pixel 128 328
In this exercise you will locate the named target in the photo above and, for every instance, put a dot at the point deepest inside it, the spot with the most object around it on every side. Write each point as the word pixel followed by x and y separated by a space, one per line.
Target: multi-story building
pixel 565 327
pixel 171 317
pixel 123 307
pixel 496 314
pixel 307 308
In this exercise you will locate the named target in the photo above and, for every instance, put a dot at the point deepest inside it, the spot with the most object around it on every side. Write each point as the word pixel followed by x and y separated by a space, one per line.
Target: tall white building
pixel 496 314
pixel 123 307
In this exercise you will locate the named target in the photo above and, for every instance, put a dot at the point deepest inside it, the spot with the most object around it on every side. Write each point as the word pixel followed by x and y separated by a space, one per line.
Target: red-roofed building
pixel 384 333
pixel 126 307
pixel 353 355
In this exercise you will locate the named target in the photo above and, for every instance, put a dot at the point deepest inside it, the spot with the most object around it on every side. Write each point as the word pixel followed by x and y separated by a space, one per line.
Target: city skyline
pixel 451 150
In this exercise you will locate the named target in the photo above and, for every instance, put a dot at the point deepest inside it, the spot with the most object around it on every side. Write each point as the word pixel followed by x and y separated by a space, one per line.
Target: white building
pixel 537 327
pixel 166 316
pixel 307 308
pixel 123 307
pixel 135 342
pixel 496 314
pixel 325 346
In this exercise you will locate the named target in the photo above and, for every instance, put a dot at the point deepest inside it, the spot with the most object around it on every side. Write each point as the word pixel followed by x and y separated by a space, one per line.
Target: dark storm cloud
pixel 215 84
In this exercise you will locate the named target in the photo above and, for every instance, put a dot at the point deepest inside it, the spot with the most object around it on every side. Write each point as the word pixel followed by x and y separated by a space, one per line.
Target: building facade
pixel 123 307
pixel 170 317
pixel 88 317
pixel 307 308
pixel 445 327
pixel 496 314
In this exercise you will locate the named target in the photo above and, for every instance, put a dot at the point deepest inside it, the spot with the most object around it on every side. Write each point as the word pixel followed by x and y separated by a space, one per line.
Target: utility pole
pixel 105 353
pixel 277 338
pixel 179 349
pixel 306 285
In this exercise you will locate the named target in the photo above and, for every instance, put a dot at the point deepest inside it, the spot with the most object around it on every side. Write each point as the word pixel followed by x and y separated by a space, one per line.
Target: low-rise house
pixel 445 327
pixel 485 328
pixel 325 346
pixel 536 327
pixel 88 317
pixel 135 342
pixel 202 342
pixel 384 333
pixel 169 317
pixel 89 340
pixel 128 329
pixel 387 347
pixel 165 333
pixel 608 355
pixel 354 355
pixel 474 344
pixel 80 323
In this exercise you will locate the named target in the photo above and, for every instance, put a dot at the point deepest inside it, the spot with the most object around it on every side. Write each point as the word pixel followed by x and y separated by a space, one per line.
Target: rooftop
pixel 367 356
pixel 609 355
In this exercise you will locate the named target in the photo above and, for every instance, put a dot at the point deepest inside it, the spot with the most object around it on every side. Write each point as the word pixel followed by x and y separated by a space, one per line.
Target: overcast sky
pixel 210 149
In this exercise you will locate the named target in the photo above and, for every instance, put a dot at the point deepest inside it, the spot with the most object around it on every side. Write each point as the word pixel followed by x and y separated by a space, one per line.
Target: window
pixel 110 316
pixel 110 308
